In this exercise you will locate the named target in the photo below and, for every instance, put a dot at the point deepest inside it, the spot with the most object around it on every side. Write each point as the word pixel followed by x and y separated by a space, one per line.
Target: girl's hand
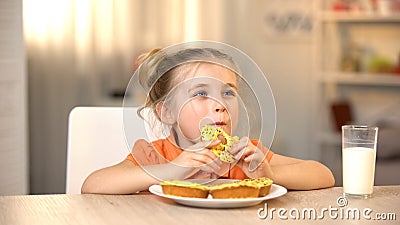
pixel 251 159
pixel 198 156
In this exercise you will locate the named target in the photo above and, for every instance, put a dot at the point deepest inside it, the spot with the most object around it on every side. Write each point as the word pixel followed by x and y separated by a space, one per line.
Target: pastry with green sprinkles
pixel 184 189
pixel 222 151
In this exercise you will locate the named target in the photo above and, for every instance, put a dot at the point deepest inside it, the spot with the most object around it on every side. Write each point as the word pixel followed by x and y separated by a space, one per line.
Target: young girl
pixel 187 90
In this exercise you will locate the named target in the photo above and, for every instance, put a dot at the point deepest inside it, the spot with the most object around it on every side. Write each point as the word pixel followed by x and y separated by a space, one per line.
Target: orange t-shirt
pixel 163 151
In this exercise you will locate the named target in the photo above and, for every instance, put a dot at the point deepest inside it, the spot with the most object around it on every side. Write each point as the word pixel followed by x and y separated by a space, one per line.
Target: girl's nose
pixel 220 108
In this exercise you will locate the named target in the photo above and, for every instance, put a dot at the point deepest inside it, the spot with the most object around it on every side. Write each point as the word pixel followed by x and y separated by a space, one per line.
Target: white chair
pixel 96 139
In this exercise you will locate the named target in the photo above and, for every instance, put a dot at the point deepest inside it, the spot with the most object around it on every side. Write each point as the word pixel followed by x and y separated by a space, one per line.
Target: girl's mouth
pixel 220 123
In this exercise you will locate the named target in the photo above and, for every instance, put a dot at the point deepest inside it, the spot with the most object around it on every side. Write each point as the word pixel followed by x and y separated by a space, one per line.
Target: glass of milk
pixel 358 158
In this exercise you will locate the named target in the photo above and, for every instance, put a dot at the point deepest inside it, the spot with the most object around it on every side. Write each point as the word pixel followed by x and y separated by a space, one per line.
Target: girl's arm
pixel 292 173
pixel 122 178
pixel 300 174
pixel 126 178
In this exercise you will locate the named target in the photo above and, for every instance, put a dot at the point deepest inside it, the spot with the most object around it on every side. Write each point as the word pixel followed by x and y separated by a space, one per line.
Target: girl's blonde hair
pixel 158 71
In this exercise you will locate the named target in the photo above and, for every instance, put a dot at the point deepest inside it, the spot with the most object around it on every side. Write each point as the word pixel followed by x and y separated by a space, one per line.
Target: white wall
pixel 13 110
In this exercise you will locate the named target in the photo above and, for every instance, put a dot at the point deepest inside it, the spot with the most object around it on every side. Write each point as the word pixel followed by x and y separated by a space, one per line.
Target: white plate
pixel 276 191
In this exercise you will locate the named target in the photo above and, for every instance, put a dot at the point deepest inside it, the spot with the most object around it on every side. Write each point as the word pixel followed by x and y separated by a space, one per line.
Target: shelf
pixel 362 79
pixel 362 36
pixel 359 17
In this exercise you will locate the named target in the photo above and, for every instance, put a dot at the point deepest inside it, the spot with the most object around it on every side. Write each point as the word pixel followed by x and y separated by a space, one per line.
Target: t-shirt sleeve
pixel 266 151
pixel 144 153
pixel 130 158
pixel 269 155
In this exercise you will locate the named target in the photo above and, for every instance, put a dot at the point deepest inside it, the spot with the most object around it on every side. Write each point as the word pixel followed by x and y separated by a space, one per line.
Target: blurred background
pixel 328 62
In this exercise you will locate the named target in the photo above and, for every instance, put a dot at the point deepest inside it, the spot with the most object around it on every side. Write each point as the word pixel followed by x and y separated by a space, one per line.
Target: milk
pixel 358 170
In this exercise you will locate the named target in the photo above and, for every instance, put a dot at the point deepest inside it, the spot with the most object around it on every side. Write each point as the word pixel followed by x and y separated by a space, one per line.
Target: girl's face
pixel 206 96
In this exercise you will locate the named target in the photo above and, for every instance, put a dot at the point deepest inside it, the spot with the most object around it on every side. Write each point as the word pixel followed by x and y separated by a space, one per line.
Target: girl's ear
pixel 164 113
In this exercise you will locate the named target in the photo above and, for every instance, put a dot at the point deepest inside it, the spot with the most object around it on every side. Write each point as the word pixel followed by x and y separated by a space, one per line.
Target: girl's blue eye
pixel 229 93
pixel 200 94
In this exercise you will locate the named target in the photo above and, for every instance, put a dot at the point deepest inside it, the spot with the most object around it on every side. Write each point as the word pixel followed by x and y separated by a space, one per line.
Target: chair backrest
pixel 96 139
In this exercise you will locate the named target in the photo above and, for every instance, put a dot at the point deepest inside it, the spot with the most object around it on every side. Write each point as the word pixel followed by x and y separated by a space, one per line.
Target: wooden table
pixel 150 209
